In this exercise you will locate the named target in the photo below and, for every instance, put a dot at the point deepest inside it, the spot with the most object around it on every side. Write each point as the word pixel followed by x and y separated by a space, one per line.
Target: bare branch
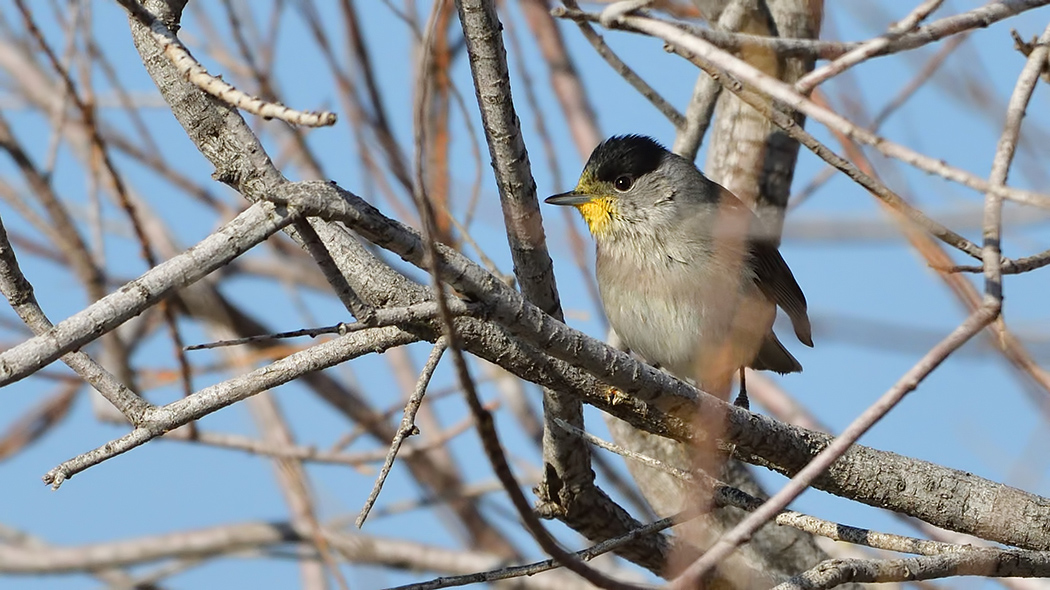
pixel 780 91
pixel 867 49
pixel 256 224
pixel 215 86
pixel 993 563
pixel 407 428
pixel 981 17
pixel 159 420
pixel 19 293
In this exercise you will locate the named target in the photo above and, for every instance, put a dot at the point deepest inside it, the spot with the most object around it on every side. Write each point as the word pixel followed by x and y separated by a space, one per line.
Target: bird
pixel 686 278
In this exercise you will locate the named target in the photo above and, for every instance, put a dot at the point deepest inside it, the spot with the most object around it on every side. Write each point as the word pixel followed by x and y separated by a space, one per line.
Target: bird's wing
pixel 774 278
pixel 772 274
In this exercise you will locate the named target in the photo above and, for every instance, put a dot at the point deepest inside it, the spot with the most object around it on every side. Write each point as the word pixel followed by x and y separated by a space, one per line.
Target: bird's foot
pixel 741 400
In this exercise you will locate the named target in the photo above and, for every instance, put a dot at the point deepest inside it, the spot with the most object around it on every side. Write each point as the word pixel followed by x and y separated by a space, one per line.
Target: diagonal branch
pixel 407 428
pixel 251 227
pixel 159 420
pixel 786 94
pixel 19 293
pixel 784 448
pixel 980 17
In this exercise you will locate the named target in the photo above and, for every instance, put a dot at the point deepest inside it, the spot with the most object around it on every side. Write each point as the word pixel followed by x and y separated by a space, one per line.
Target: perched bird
pixel 686 280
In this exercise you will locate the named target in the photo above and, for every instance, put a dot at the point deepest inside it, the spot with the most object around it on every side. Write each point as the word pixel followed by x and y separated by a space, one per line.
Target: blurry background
pixel 875 304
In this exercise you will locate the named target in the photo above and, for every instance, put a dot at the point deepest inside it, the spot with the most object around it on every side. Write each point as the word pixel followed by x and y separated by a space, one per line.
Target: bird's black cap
pixel 634 155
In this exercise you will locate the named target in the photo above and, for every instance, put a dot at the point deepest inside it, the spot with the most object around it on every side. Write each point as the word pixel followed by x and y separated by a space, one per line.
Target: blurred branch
pixel 568 490
pixel 565 79
pixel 981 17
pixel 232 538
pixel 697 48
pixel 38 421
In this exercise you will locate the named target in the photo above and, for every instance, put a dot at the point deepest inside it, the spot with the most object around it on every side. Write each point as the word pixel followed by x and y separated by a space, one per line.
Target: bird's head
pixel 629 184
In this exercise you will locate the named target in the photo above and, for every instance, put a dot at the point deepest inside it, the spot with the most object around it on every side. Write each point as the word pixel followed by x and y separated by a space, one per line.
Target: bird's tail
pixel 774 357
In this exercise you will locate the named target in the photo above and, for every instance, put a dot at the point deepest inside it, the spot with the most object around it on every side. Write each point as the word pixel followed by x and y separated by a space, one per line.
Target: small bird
pixel 686 280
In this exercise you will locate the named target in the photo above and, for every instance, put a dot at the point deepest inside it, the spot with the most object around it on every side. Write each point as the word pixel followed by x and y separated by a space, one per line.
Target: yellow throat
pixel 597 212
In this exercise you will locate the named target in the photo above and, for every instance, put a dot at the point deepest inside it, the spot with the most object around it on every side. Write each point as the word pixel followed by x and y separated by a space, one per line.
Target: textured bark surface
pixel 567 490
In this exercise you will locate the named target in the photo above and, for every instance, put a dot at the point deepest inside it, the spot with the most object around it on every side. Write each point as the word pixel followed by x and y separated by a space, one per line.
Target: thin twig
pixel 624 452
pixel 313 454
pixel 785 93
pixel 196 73
pixel 626 72
pixel 1008 266
pixel 159 420
pixel 924 75
pixel 531 569
pixel 981 17
pixel 873 185
pixel 392 316
pixel 867 49
pixel 406 429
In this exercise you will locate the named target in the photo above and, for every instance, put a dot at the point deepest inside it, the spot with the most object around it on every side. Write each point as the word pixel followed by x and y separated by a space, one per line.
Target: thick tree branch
pixel 568 490
pixel 861 474
pixel 992 563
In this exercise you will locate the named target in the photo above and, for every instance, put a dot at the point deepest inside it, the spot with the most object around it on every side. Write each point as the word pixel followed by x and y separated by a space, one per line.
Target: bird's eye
pixel 623 183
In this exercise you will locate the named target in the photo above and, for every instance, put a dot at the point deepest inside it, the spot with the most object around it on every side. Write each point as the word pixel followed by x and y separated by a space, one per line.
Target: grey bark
pixel 567 490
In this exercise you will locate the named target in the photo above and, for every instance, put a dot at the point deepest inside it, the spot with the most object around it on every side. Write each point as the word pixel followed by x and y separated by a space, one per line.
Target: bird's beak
pixel 570 198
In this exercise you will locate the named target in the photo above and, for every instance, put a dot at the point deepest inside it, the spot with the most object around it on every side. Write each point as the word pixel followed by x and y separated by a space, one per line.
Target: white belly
pixel 698 324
